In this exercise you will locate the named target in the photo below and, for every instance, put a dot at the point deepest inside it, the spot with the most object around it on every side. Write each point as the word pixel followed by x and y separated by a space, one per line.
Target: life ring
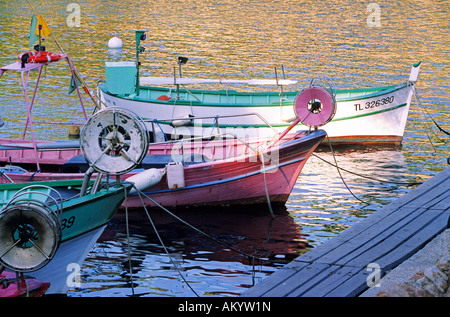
pixel 39 57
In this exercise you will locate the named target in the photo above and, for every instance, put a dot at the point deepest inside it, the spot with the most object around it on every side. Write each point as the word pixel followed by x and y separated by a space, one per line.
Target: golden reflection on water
pixel 249 38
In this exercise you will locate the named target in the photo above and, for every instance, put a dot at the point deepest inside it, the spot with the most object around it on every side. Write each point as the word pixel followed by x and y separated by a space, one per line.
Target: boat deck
pixel 344 265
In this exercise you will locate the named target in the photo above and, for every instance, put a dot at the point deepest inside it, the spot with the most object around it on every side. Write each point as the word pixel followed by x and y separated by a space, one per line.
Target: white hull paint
pixel 59 271
pixel 379 117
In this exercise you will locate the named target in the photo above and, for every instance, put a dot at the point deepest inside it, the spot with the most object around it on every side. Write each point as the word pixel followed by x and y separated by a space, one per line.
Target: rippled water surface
pixel 243 39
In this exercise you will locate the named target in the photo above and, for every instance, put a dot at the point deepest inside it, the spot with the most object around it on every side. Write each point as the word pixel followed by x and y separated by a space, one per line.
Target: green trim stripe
pixel 281 124
pixel 360 94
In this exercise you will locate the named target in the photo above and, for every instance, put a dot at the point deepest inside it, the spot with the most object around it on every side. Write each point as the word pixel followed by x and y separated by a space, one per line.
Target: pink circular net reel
pixel 315 106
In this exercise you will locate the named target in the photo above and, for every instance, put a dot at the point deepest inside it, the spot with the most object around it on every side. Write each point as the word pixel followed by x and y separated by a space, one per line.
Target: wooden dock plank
pixel 377 232
pixel 415 242
pixel 441 201
pixel 388 237
pixel 384 243
pixel 428 190
pixel 267 284
pixel 357 283
pixel 338 276
pixel 309 275
pixel 352 286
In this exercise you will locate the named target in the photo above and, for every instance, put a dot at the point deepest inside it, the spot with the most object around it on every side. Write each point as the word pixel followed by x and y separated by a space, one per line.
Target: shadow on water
pixel 250 230
pixel 237 247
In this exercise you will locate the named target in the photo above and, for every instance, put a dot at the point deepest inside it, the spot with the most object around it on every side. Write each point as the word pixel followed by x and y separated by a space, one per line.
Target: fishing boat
pixel 178 173
pixel 48 228
pixel 222 169
pixel 363 116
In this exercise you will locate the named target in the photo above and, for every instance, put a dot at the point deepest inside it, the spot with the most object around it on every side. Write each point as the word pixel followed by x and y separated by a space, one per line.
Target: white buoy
pixel 146 178
pixel 115 42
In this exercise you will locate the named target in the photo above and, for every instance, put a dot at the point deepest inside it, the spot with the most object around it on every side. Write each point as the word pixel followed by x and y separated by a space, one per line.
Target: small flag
pixel 45 29
pixel 72 85
pixel 33 37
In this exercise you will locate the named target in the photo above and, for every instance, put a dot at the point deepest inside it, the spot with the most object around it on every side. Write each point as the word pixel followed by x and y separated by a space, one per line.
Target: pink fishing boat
pixel 219 171
pixel 207 173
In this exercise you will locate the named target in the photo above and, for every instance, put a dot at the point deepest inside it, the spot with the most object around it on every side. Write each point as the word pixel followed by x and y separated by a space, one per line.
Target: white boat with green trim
pixel 371 115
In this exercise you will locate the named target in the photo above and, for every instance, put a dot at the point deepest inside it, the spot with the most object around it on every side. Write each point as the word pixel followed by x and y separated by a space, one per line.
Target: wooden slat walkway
pixel 339 267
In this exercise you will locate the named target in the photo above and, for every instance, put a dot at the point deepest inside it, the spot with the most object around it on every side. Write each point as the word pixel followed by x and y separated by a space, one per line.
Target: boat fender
pixel 146 179
pixel 29 237
pixel 175 175
pixel 182 121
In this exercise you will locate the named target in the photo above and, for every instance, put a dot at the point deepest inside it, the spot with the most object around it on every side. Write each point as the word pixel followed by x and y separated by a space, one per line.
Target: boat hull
pixel 63 271
pixel 82 222
pixel 362 117
pixel 229 173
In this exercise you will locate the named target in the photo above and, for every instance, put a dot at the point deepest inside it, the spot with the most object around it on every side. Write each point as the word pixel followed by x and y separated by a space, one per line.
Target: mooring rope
pixel 198 230
pixel 340 175
pixel 368 177
pixel 261 157
pixel 421 107
pixel 426 111
pixel 128 240
pixel 251 258
pixel 162 243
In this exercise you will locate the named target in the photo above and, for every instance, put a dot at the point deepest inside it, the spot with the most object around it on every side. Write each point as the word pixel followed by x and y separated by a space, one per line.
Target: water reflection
pixel 218 264
pixel 322 203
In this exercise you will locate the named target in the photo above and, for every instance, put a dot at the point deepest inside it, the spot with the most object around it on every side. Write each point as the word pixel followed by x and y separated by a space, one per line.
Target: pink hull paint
pixel 235 180
pixel 248 190
pixel 48 158
pixel 28 287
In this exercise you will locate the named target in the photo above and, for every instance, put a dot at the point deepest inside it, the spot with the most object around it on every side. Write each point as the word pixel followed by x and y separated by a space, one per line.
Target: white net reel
pixel 30 229
pixel 114 141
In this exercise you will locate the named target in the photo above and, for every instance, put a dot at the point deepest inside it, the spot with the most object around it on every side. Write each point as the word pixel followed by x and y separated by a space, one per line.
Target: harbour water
pixel 343 40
